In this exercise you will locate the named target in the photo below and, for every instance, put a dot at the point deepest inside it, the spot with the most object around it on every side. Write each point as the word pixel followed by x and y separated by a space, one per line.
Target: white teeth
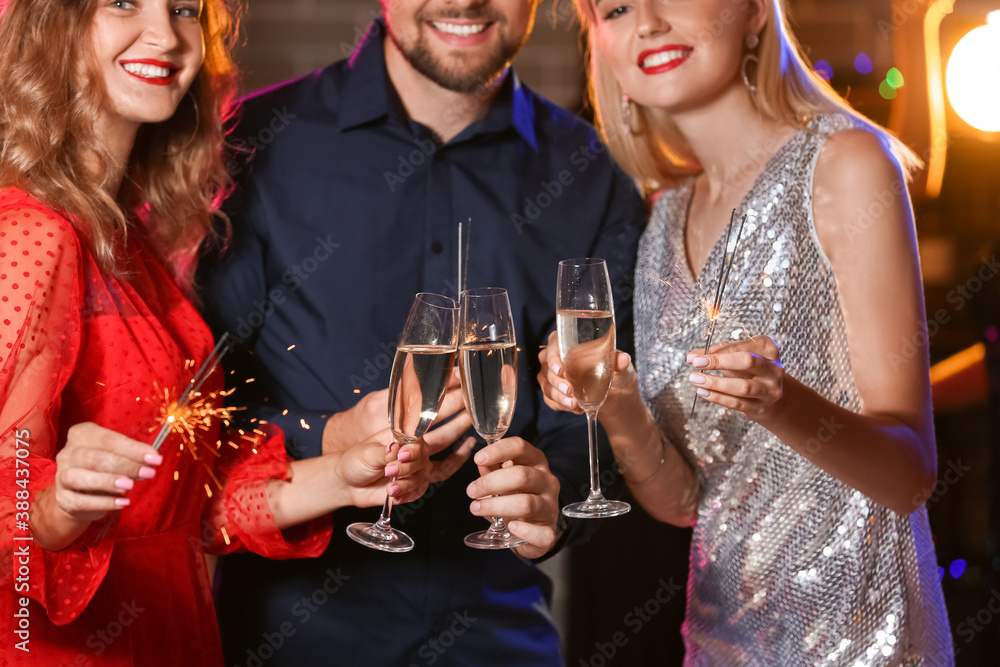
pixel 147 71
pixel 459 29
pixel 663 57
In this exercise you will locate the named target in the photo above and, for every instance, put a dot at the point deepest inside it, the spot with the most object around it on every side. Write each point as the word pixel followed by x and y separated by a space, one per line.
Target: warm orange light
pixel 971 76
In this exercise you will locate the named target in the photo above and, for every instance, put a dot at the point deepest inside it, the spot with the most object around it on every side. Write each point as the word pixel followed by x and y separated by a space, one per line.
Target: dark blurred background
pixel 613 588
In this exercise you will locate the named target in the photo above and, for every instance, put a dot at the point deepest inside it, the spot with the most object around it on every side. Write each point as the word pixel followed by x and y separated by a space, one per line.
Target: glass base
pixel 490 539
pixel 383 539
pixel 596 509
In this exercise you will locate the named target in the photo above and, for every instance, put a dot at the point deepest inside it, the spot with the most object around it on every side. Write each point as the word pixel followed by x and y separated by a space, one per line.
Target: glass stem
pixel 497 526
pixel 595 477
pixel 383 521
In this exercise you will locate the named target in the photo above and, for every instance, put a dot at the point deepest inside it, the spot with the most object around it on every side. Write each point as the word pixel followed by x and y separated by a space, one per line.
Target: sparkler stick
pixel 463 258
pixel 221 348
pixel 720 286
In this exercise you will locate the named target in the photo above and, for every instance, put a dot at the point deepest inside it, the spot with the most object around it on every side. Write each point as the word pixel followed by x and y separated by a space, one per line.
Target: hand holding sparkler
pixel 93 471
pixel 752 375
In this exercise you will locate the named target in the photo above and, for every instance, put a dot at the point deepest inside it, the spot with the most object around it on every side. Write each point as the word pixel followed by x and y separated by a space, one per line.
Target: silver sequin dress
pixel 788 566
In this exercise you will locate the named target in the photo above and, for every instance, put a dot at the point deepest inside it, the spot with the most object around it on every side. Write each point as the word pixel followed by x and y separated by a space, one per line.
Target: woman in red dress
pixel 110 170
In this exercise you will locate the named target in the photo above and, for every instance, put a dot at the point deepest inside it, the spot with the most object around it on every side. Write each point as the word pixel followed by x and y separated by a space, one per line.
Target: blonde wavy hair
pixel 51 92
pixel 655 153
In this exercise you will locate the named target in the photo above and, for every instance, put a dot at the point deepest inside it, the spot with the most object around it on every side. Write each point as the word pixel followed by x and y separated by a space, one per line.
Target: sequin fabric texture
pixel 788 566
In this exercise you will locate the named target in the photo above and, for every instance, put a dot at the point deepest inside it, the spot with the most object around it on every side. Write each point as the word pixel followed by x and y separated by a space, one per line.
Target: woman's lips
pixel 663 59
pixel 153 72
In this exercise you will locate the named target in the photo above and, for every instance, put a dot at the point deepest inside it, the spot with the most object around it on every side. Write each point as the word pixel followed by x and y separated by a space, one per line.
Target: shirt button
pixel 437 248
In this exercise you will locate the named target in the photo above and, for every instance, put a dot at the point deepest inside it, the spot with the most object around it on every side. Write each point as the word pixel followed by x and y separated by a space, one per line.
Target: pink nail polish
pixel 556 368
pixel 405 456
pixel 146 473
pixel 122 502
pixel 697 378
pixel 153 459
pixel 394 490
pixel 699 362
pixel 392 471
pixel 703 392
pixel 124 483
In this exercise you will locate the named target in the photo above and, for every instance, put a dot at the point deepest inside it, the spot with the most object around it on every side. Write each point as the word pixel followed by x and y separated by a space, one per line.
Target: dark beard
pixel 458 78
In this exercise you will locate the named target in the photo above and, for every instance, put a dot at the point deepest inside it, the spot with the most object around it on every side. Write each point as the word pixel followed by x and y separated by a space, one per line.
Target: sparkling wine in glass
pixel 585 320
pixel 424 360
pixel 487 360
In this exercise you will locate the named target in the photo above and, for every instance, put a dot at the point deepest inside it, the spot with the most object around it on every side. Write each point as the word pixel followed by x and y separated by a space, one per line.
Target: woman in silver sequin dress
pixel 806 467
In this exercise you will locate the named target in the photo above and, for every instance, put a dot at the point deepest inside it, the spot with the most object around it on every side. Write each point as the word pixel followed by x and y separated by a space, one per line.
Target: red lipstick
pixel 669 65
pixel 155 81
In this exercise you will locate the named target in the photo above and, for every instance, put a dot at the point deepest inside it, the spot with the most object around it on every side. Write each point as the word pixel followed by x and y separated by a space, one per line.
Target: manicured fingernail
pixel 146 473
pixel 405 456
pixel 481 458
pixel 556 368
pixel 124 483
pixel 703 392
pixel 388 448
pixel 475 506
pixel 568 402
pixel 697 378
pixel 472 491
pixel 690 357
pixel 563 387
pixel 699 362
pixel 153 459
pixel 394 490
pixel 122 502
pixel 392 471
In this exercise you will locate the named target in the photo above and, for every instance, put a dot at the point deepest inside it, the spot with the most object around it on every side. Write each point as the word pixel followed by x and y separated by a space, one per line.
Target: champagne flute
pixel 424 360
pixel 487 360
pixel 585 320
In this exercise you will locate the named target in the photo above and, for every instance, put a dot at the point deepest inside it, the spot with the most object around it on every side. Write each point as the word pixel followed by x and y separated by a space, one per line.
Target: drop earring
pixel 751 41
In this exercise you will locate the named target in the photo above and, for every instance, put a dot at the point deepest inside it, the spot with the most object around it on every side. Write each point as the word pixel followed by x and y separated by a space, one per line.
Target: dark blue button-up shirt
pixel 346 209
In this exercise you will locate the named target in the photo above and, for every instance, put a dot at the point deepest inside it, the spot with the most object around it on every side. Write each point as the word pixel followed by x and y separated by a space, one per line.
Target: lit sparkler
pixel 715 310
pixel 194 411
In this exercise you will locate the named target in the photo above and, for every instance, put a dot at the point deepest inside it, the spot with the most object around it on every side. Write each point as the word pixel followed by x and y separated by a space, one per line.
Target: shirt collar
pixel 368 95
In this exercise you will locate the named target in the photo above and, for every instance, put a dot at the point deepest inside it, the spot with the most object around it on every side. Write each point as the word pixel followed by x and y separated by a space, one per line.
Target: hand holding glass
pixel 488 363
pixel 424 360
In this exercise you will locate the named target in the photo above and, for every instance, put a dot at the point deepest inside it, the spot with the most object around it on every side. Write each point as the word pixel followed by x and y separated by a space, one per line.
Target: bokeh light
pixel 823 69
pixel 863 63
pixel 886 91
pixel 957 568
pixel 971 76
pixel 894 78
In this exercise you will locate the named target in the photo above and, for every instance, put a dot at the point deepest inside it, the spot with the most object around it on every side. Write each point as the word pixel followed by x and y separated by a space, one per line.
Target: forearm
pixel 311 490
pixel 883 458
pixel 658 475
pixel 51 527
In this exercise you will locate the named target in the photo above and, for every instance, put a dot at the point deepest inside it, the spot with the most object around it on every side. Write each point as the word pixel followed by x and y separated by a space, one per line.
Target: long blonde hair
pixel 655 153
pixel 50 95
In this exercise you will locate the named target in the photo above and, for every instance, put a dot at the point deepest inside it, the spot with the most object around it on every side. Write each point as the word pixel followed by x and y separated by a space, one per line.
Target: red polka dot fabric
pixel 77 345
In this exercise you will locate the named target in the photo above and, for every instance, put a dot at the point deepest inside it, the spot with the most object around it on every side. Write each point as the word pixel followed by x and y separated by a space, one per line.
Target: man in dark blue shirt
pixel 348 206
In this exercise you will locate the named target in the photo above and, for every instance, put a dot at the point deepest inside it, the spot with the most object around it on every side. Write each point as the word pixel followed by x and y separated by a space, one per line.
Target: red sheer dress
pixel 77 345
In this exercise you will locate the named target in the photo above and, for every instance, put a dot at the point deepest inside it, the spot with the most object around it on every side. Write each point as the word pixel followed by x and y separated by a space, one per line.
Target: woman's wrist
pixel 52 527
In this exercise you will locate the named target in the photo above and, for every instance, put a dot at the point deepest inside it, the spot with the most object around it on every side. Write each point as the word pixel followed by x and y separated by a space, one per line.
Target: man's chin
pixel 458 74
